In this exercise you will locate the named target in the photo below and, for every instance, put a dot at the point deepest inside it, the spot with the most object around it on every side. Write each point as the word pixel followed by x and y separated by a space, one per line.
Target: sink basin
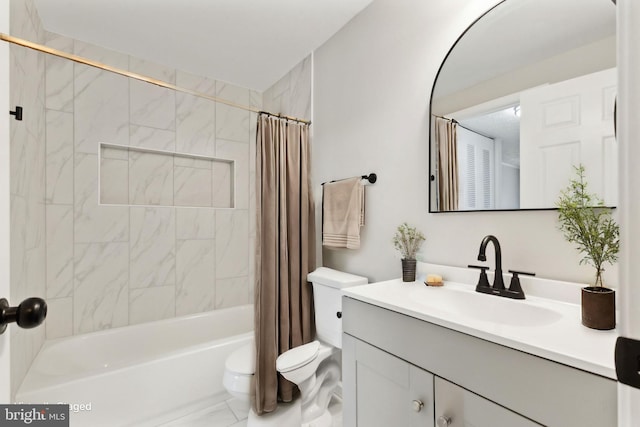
pixel 463 301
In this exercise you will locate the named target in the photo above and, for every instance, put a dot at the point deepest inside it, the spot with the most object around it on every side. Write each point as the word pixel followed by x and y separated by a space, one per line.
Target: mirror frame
pixel 432 177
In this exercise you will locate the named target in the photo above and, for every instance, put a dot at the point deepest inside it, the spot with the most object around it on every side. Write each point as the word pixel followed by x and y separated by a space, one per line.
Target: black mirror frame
pixel 432 178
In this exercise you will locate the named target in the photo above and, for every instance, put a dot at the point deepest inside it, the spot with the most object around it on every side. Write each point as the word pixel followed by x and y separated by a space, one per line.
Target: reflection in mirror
pixel 526 92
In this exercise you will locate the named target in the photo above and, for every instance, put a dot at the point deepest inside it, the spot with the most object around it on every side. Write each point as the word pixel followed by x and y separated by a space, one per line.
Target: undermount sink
pixel 462 300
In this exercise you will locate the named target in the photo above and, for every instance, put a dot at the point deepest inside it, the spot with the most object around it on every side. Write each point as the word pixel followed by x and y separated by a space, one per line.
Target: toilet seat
pixel 297 357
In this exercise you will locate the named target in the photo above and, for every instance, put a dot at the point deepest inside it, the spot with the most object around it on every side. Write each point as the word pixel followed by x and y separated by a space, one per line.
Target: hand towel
pixel 343 213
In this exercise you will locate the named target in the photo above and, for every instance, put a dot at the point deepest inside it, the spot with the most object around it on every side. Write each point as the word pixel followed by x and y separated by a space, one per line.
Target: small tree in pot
pixel 586 222
pixel 408 240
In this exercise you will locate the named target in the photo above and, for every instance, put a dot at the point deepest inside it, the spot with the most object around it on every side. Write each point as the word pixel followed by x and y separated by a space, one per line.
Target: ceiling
pixel 503 125
pixel 250 43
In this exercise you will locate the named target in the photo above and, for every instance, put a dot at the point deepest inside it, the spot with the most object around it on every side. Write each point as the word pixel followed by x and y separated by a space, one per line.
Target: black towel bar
pixel 372 178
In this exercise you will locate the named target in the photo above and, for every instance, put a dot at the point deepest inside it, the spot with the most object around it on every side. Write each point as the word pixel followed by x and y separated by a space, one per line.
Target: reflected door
pixel 475 170
pixel 565 124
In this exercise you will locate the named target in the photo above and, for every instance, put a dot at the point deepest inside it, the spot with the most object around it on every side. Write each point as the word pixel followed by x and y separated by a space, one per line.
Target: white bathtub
pixel 134 375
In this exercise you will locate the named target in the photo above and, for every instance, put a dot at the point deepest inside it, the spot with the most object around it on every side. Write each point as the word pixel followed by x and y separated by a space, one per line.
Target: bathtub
pixel 139 375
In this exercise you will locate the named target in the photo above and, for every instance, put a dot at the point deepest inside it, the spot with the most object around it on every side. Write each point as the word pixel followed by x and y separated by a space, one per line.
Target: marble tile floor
pixel 232 413
pixel 229 413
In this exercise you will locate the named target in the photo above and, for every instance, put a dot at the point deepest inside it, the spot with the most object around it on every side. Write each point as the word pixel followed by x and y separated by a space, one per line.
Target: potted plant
pixel 408 240
pixel 586 222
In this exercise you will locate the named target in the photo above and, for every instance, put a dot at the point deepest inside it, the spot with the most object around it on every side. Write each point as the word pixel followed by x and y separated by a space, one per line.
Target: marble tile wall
pixel 28 192
pixel 123 264
pixel 103 266
pixel 133 176
pixel 291 95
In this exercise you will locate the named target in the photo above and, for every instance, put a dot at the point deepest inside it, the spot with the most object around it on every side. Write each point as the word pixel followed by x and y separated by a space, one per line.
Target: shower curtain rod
pixel 95 64
pixel 463 127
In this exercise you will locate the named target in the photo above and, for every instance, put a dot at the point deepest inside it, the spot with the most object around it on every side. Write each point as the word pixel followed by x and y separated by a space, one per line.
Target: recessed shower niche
pixel 144 177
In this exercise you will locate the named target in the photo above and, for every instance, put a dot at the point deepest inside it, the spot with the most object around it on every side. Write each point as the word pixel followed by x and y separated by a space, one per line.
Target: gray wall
pixel 372 83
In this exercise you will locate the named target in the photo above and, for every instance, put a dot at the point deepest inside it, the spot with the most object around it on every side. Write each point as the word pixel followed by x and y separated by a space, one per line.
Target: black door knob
pixel 29 314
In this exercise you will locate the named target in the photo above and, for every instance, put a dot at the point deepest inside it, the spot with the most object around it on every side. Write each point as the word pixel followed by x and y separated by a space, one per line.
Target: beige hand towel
pixel 343 213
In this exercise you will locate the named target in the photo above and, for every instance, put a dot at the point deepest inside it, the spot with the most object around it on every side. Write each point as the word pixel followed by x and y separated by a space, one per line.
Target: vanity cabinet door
pixel 457 407
pixel 381 390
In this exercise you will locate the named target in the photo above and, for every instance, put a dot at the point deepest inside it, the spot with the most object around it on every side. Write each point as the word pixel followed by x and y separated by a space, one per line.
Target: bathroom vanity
pixel 420 356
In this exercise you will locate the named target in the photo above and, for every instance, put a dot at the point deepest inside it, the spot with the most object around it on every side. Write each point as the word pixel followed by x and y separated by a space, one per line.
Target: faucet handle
pixel 515 272
pixel 483 282
pixel 515 290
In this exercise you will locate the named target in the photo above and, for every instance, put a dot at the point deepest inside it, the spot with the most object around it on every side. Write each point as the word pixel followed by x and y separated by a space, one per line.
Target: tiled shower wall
pixel 27 145
pixel 111 266
pixel 291 95
pixel 106 266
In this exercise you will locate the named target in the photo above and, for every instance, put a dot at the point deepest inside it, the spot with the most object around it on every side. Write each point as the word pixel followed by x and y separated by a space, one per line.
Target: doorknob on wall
pixel 29 314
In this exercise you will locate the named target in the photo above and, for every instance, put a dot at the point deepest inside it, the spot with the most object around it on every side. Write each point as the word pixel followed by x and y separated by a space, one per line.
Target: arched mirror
pixel 524 94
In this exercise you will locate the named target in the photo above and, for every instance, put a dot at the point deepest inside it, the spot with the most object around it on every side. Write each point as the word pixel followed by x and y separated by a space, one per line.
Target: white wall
pixel 372 83
pixel 5 354
pixel 628 129
pixel 509 187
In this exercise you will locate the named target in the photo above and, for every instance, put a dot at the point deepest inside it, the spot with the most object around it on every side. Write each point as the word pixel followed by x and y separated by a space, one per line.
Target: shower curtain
pixel 285 253
pixel 447 158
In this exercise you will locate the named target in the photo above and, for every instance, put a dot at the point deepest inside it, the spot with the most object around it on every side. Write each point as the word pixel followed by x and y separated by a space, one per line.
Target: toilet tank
pixel 327 296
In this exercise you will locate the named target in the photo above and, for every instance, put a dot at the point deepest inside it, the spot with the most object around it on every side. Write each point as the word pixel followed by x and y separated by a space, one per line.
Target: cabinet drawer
pixel 465 409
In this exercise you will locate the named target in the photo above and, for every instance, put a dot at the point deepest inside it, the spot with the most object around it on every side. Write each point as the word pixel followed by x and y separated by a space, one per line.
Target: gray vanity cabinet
pixel 402 371
pixel 392 392
pixel 388 391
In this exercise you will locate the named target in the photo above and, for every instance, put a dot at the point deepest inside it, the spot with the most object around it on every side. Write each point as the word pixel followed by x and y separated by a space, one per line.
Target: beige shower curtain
pixel 285 253
pixel 446 143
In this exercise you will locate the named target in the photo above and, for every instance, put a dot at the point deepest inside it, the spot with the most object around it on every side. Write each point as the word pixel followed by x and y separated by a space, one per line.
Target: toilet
pixel 309 366
pixel 239 368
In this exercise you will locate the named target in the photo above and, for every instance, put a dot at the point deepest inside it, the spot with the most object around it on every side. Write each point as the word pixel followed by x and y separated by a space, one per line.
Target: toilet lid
pixel 297 357
pixel 242 361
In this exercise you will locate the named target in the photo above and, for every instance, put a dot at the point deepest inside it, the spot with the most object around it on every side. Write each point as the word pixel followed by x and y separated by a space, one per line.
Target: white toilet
pixel 310 366
pixel 239 368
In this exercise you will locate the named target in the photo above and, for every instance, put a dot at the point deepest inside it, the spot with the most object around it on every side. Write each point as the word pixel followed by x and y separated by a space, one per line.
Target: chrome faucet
pixel 515 290
pixel 498 283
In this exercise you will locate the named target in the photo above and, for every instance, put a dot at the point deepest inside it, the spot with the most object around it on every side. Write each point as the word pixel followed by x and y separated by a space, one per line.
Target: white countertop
pixel 543 327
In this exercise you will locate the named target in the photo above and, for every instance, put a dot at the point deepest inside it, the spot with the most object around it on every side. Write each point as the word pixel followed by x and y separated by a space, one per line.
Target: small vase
pixel 598 307
pixel 408 270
